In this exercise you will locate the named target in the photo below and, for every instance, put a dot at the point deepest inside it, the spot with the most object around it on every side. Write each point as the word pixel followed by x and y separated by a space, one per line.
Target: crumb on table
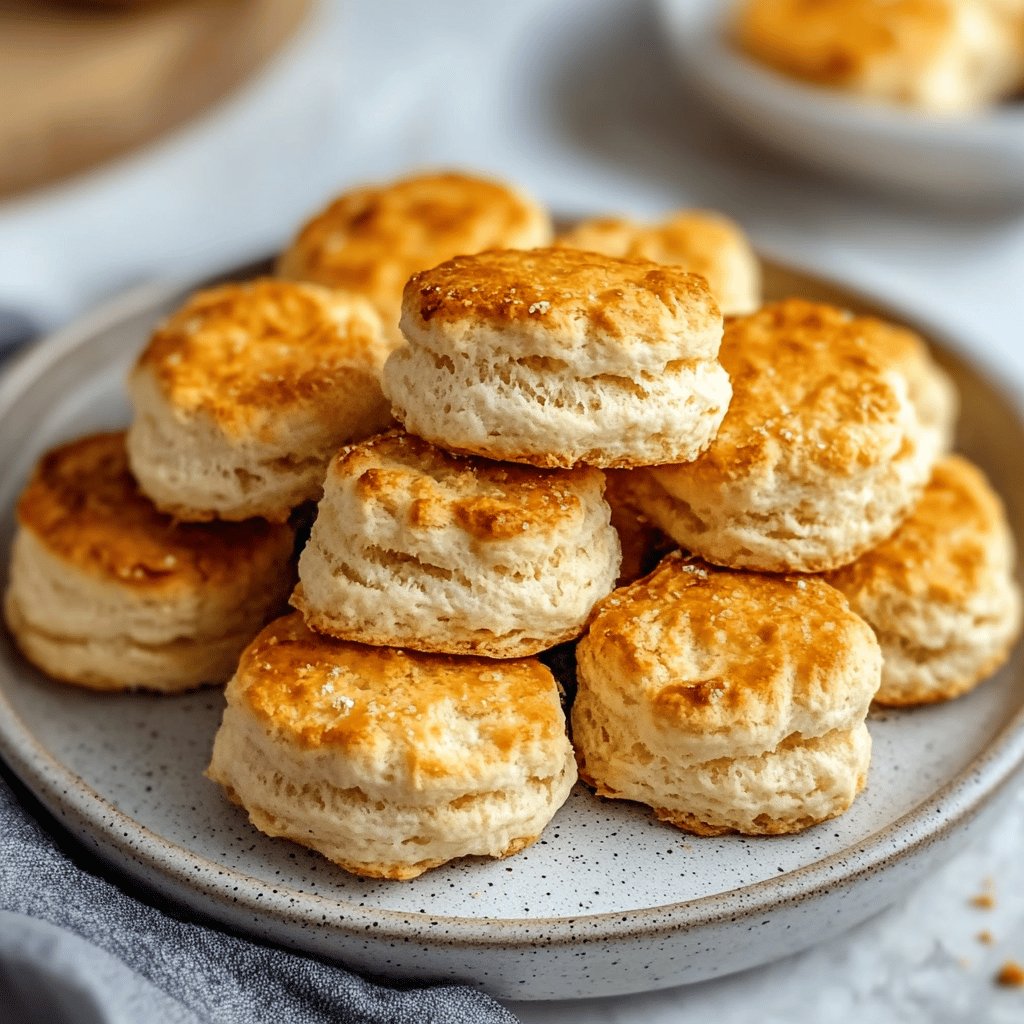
pixel 985 937
pixel 1011 974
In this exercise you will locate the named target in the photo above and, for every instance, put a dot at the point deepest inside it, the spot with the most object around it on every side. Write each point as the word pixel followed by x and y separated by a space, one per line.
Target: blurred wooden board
pixel 82 83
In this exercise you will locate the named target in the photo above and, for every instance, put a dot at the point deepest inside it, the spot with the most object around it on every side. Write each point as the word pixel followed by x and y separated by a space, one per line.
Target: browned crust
pixel 84 506
pixel 773 628
pixel 812 388
pixel 488 500
pixel 629 301
pixel 371 239
pixel 837 43
pixel 320 692
pixel 237 351
pixel 943 551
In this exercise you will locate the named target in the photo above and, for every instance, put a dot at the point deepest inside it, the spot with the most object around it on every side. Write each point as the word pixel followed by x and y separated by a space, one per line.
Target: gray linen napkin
pixel 76 949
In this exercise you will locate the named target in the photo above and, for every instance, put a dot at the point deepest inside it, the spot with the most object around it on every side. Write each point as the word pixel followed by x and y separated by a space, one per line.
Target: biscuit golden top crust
pixel 630 302
pixel 694 239
pixel 371 239
pixel 83 504
pixel 713 649
pixel 946 550
pixel 491 501
pixel 812 386
pixel 239 351
pixel 369 702
pixel 836 42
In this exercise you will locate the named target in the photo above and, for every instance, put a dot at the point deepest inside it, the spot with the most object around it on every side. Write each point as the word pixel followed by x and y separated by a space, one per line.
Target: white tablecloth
pixel 578 102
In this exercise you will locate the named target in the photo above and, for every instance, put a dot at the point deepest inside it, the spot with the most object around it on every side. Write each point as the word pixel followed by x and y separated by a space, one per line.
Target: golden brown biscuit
pixel 390 762
pixel 821 454
pixel 945 56
pixel 109 593
pixel 727 701
pixel 244 394
pixel 415 547
pixel 699 241
pixel 940 592
pixel 557 357
pixel 372 239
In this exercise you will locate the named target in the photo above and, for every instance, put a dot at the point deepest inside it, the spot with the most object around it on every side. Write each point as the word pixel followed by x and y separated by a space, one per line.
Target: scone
pixel 700 241
pixel 108 593
pixel 943 56
pixel 726 701
pixel 940 592
pixel 557 357
pixel 414 547
pixel 391 762
pixel 643 544
pixel 372 239
pixel 821 455
pixel 245 393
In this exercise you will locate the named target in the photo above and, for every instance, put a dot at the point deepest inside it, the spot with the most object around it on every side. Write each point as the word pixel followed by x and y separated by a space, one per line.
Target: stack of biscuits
pixel 749 527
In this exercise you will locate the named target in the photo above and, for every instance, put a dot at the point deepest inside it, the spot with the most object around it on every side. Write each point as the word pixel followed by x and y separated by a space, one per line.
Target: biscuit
pixel 243 396
pixel 557 357
pixel 820 457
pixel 944 56
pixel 414 547
pixel 940 592
pixel 391 762
pixel 699 241
pixel 372 239
pixel 726 701
pixel 108 593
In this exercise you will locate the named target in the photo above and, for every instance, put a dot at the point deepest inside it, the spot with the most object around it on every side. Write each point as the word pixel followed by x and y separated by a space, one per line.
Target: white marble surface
pixel 577 101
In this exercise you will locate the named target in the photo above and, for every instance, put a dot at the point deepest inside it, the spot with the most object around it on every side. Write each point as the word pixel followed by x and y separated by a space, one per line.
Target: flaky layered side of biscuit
pixel 389 762
pixel 414 547
pixel 108 593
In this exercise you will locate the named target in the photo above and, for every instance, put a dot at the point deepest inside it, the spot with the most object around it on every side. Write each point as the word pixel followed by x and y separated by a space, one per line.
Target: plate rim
pixel 63 793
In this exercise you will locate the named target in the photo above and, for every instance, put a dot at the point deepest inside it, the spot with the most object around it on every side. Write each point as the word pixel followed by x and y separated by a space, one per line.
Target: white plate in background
pixel 969 159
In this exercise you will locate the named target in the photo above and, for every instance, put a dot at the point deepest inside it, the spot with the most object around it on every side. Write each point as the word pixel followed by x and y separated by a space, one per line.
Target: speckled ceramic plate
pixel 609 901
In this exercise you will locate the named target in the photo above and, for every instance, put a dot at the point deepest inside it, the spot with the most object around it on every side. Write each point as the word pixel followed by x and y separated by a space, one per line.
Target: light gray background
pixel 578 102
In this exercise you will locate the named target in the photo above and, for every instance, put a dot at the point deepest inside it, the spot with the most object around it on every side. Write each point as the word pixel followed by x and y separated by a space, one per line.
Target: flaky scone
pixel 390 762
pixel 699 241
pixel 821 455
pixel 244 394
pixel 943 56
pixel 415 547
pixel 108 593
pixel 557 357
pixel 370 240
pixel 727 701
pixel 940 592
